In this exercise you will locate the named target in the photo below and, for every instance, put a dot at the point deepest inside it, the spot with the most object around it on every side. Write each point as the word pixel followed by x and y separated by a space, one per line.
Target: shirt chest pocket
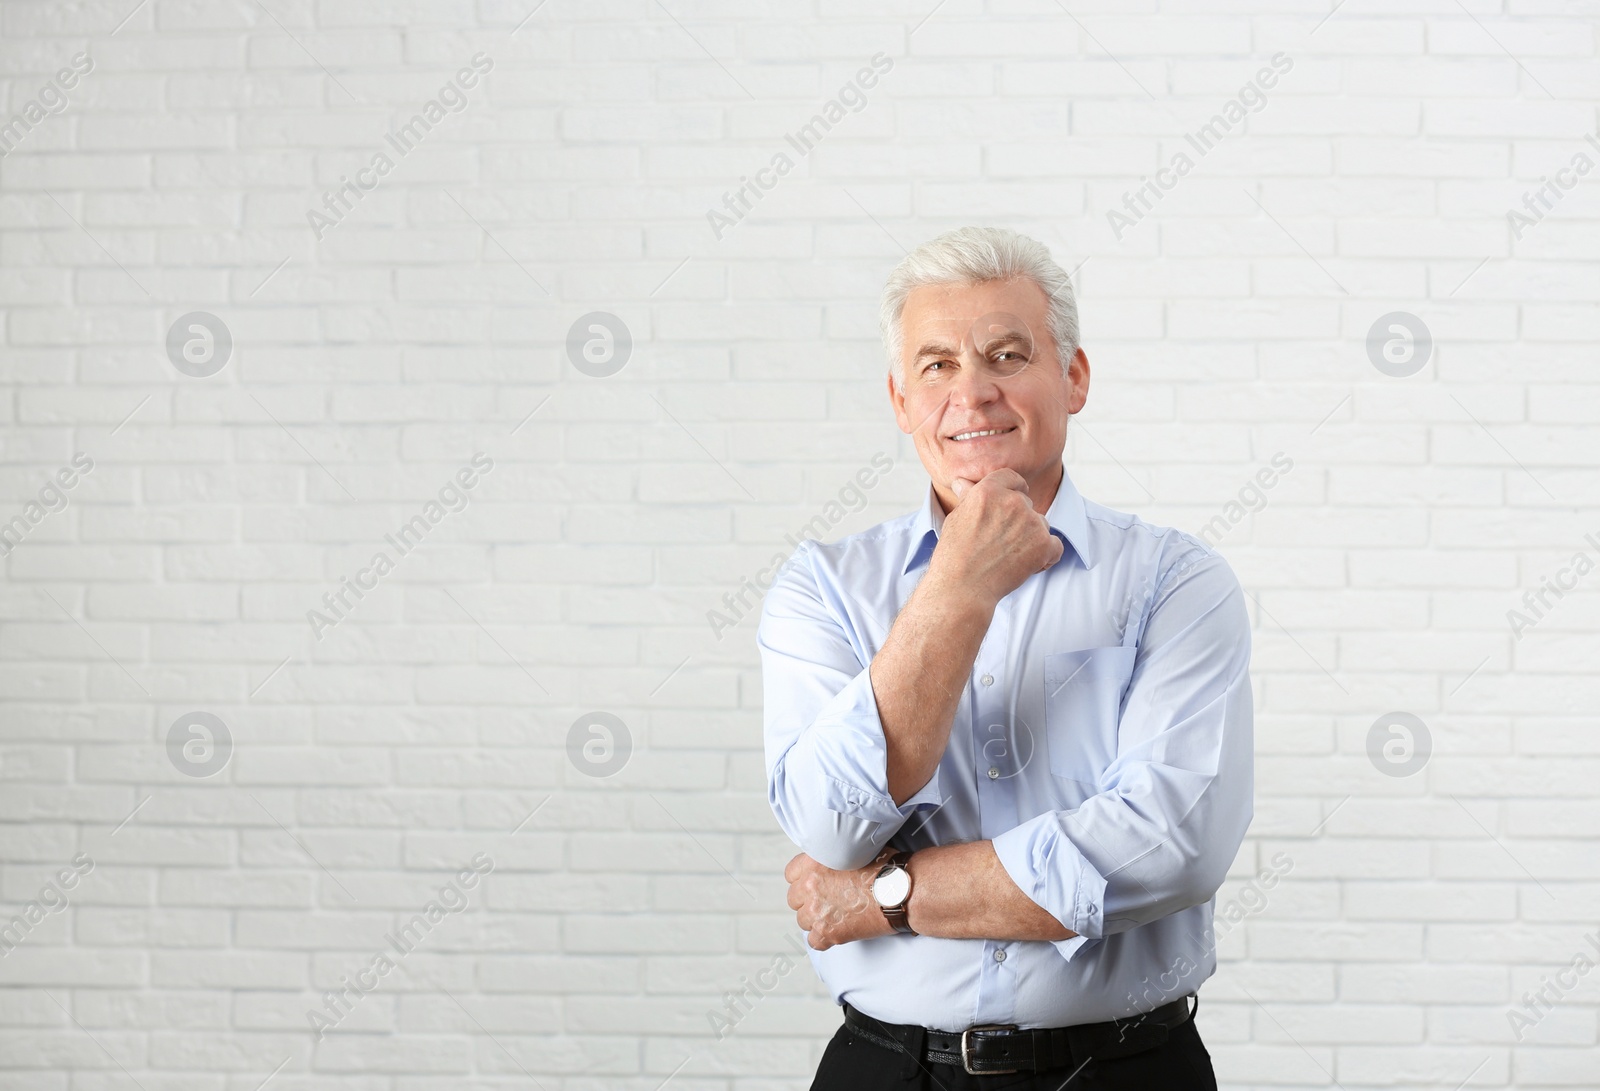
pixel 1082 701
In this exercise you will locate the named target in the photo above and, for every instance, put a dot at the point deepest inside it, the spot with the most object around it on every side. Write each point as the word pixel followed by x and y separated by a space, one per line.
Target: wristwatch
pixel 891 889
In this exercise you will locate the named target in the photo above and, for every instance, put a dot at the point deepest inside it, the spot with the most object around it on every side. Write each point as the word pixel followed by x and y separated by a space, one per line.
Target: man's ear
pixel 897 399
pixel 1078 381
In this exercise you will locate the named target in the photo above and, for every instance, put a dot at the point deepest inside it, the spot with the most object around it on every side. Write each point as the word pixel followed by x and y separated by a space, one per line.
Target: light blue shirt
pixel 1103 743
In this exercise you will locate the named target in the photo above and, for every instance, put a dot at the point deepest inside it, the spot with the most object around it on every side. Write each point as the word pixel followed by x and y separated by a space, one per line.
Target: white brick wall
pixel 431 725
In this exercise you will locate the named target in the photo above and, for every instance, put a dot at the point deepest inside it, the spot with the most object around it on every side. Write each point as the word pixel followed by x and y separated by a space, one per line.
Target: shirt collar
pixel 1066 518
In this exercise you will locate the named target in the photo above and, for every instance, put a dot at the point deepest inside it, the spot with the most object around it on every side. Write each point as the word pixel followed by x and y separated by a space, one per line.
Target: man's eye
pixel 936 363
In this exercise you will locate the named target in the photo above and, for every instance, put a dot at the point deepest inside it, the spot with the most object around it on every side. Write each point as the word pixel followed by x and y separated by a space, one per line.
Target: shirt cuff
pixel 858 749
pixel 1047 867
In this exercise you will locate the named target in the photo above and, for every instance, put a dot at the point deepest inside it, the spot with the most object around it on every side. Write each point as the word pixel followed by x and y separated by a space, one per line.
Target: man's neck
pixel 1047 495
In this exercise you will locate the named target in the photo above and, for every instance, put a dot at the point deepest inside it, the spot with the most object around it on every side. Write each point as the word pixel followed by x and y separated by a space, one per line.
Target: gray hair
pixel 971 255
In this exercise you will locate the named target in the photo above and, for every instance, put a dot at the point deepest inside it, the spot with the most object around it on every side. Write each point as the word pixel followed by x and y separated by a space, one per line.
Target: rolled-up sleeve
pixel 826 756
pixel 1172 808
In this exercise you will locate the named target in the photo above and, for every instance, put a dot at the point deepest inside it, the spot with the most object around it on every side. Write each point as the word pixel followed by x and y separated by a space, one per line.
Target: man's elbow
pixel 828 837
pixel 1204 875
pixel 1200 886
pixel 836 842
pixel 841 856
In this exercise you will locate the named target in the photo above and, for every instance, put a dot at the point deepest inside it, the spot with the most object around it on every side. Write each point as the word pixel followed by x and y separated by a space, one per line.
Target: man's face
pixel 979 358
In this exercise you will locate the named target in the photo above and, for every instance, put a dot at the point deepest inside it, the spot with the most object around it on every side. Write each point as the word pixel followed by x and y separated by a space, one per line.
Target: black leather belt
pixel 993 1049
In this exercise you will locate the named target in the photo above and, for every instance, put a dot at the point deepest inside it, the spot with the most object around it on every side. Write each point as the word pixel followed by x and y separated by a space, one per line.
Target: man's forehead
pixel 942 326
pixel 953 308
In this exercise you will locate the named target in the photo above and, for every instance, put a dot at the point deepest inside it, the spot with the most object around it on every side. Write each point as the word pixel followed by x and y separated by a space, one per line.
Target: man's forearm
pixel 962 892
pixel 993 540
pixel 919 675
pixel 958 891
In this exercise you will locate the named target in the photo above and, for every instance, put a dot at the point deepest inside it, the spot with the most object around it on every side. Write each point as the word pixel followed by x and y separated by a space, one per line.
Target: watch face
pixel 892 889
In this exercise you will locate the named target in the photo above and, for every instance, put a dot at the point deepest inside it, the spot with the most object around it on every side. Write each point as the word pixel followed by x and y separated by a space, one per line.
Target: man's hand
pixel 994 540
pixel 835 906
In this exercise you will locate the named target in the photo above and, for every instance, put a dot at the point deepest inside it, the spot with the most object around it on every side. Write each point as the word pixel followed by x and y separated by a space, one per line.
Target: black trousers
pixel 851 1063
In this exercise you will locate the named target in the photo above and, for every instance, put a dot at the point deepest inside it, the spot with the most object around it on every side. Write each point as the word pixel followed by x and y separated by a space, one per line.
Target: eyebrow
pixel 933 348
pixel 1007 337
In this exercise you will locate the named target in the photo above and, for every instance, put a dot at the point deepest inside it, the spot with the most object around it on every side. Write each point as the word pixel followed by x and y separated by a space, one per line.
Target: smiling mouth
pixel 962 437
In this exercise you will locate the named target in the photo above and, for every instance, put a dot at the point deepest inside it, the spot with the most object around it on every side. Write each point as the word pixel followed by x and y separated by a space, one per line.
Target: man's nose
pixel 975 382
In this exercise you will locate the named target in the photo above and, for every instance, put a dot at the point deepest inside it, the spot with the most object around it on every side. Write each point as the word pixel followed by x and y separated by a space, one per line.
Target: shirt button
pixel 999 956
pixel 987 679
pixel 994 773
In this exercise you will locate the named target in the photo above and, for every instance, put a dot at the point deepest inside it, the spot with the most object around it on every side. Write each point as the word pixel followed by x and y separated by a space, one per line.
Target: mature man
pixel 1011 731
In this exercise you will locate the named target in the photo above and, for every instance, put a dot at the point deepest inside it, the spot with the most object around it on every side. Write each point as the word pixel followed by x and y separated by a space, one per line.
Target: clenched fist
pixel 835 907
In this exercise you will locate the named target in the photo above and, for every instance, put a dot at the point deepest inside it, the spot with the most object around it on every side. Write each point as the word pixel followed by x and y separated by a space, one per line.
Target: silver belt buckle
pixel 966 1050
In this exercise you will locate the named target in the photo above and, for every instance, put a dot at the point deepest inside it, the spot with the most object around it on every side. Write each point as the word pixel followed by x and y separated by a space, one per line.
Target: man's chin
pixel 969 472
pixel 976 470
